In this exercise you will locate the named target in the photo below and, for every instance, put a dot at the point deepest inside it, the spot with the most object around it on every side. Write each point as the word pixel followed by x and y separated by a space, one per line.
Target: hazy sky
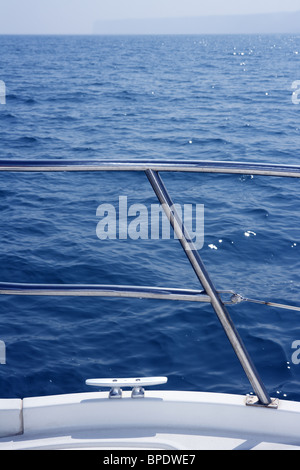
pixel 78 16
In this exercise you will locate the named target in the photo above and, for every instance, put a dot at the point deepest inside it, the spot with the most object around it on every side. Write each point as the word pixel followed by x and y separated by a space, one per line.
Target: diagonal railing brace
pixel 200 270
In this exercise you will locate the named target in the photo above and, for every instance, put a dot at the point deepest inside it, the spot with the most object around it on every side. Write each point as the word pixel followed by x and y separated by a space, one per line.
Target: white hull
pixel 163 420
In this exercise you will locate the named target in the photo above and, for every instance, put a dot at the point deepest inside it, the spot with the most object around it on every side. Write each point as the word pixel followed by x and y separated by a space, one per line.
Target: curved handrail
pixel 197 166
pixel 98 290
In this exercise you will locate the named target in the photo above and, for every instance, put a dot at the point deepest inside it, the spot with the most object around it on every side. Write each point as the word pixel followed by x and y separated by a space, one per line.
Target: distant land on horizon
pixel 268 23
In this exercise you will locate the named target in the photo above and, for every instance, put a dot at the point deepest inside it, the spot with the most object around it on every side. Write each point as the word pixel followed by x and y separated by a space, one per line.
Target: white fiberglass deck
pixel 161 421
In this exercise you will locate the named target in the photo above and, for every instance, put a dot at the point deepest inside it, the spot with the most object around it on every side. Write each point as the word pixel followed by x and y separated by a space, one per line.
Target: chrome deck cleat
pixel 137 385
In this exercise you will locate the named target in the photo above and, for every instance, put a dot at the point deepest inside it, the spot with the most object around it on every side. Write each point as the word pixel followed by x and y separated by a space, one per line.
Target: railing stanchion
pixel 200 270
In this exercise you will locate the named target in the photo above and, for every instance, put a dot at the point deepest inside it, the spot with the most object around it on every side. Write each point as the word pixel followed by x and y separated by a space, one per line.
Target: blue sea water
pixel 148 97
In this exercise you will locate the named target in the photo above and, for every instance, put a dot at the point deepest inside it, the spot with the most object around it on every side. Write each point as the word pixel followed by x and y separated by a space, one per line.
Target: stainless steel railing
pixel 198 166
pixel 209 293
pixel 85 290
